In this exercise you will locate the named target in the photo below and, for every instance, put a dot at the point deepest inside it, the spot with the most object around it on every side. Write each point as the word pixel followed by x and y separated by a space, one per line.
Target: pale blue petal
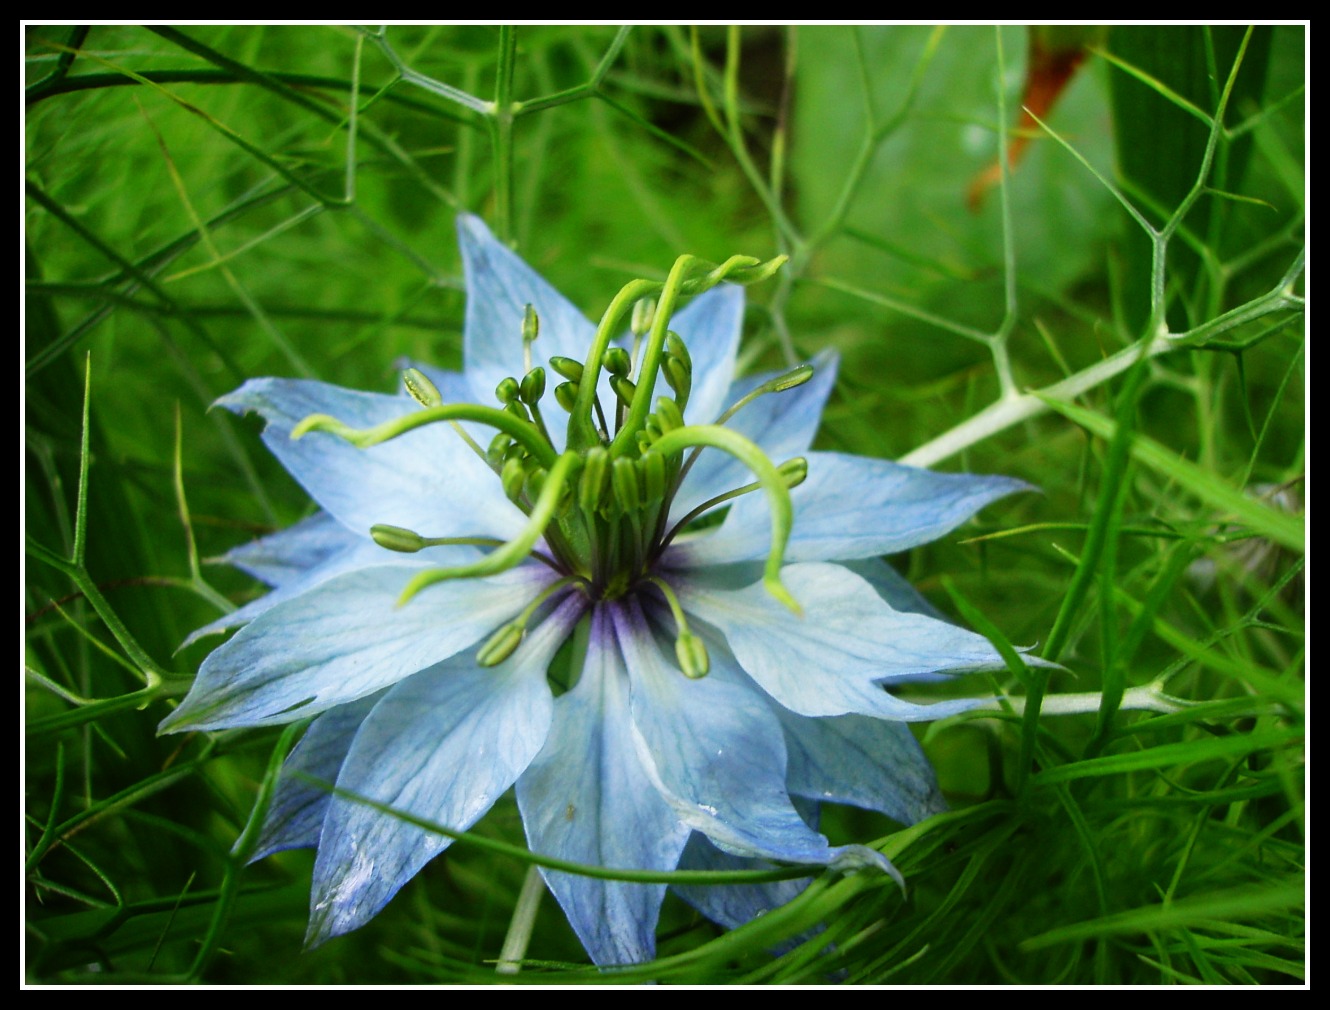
pixel 295 817
pixel 870 763
pixel 716 751
pixel 832 659
pixel 782 425
pixel 428 480
pixel 710 326
pixel 734 905
pixel 361 553
pixel 343 640
pixel 586 798
pixel 850 507
pixel 499 286
pixel 290 553
pixel 442 746
pixel 893 587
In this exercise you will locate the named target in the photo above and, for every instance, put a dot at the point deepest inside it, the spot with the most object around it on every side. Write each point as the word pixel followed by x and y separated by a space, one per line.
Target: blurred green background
pixel 210 204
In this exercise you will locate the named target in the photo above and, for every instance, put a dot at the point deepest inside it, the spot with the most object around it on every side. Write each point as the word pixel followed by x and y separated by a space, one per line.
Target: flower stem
pixel 522 923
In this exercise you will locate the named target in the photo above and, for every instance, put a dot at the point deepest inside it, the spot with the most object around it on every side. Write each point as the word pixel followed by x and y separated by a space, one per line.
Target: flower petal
pixel 412 481
pixel 850 507
pixel 710 326
pixel 587 798
pixel 295 817
pixel 734 905
pixel 441 746
pixel 499 286
pixel 288 554
pixel 361 552
pixel 714 750
pixel 782 424
pixel 832 660
pixel 864 762
pixel 343 640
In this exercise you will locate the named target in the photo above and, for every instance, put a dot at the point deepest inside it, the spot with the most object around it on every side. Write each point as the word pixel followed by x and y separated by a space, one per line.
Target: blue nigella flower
pixel 720 671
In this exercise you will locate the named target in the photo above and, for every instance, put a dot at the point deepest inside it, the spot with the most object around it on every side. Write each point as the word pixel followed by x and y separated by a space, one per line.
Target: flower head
pixel 727 678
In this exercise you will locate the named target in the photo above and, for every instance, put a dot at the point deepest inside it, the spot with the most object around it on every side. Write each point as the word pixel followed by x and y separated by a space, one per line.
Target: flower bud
pixel 506 391
pixel 678 349
pixel 530 324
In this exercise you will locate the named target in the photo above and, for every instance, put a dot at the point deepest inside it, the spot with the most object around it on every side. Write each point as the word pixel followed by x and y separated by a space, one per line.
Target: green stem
pixel 362 438
pixel 501 134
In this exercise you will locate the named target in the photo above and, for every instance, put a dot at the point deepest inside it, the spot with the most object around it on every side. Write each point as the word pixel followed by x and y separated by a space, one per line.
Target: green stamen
pixel 510 554
pixel 521 430
pixel 778 495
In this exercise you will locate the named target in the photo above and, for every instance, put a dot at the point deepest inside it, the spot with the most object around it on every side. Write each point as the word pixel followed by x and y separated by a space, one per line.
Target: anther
pixel 397 538
pixel 617 361
pixel 654 483
pixel 627 492
pixel 624 388
pixel 502 644
pixel 513 477
pixel 668 414
pixel 420 388
pixel 567 367
pixel 566 392
pixel 530 324
pixel 533 386
pixel 691 652
pixel 644 311
pixel 591 485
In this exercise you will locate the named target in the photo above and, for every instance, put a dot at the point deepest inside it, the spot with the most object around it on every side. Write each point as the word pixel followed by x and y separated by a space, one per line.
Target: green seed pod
pixel 533 386
pixel 566 393
pixel 396 538
pixel 617 361
pixel 420 388
pixel 567 367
